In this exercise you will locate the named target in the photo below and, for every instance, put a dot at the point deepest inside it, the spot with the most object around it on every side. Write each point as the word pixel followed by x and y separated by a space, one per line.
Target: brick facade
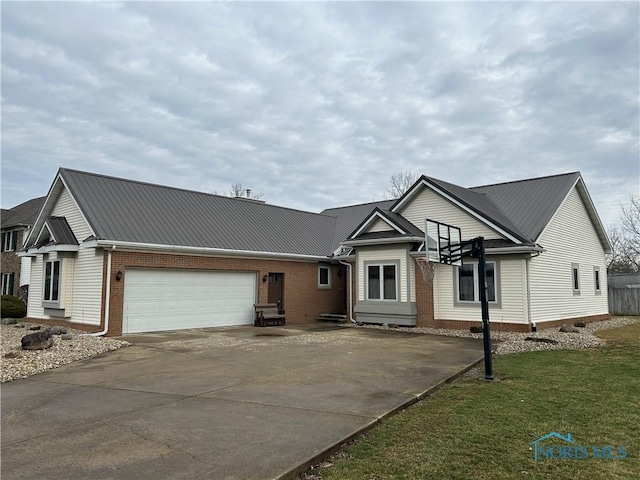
pixel 303 300
pixel 11 263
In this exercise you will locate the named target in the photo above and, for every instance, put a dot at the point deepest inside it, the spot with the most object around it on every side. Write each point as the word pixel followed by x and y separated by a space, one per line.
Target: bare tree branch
pixel 625 240
pixel 237 190
pixel 400 183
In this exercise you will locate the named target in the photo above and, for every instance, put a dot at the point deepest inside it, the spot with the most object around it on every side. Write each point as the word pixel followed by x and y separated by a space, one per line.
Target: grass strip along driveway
pixel 478 430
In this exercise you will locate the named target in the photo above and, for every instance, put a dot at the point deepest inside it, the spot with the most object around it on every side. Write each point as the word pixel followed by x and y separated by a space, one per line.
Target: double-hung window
pixel 382 282
pixel 52 281
pixel 467 283
pixel 8 283
pixel 9 240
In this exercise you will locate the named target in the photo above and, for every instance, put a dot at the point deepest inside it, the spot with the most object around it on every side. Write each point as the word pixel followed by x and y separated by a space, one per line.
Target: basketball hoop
pixel 427 268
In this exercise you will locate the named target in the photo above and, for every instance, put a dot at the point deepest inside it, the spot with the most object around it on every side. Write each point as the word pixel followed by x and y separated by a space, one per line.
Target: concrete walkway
pixel 233 403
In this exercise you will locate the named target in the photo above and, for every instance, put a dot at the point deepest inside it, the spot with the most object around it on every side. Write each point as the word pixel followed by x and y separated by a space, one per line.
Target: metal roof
pixel 476 202
pixel 349 218
pixel 61 231
pixel 22 215
pixel 130 211
pixel 530 203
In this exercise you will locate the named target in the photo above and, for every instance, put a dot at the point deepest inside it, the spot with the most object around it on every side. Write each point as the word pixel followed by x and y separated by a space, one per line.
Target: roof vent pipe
pixel 248 193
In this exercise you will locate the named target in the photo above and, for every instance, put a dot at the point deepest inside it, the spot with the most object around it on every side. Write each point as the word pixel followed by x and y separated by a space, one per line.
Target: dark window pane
pixel 576 279
pixel 324 276
pixel 389 282
pixel 491 282
pixel 55 281
pixel 47 281
pixel 597 279
pixel 14 240
pixel 373 275
pixel 465 283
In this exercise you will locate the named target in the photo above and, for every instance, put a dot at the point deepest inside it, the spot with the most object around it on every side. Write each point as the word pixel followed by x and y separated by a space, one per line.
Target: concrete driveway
pixel 232 403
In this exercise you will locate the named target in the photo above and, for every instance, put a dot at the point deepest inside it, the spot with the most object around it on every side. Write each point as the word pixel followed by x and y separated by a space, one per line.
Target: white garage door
pixel 156 299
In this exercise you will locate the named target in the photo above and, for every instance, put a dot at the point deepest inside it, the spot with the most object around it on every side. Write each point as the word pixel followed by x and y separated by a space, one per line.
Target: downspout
pixel 107 297
pixel 350 289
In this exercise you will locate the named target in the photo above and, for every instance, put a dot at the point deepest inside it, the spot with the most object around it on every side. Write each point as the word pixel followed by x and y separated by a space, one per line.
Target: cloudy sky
pixel 317 104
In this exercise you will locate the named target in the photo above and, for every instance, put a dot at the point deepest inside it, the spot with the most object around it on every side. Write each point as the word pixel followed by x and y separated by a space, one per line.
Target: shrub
pixel 13 307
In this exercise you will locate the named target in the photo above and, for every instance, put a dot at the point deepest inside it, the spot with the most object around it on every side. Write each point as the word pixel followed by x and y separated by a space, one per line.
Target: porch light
pixel 118 276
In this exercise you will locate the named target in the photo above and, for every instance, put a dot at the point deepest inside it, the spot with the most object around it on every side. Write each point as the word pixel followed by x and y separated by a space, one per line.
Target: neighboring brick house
pixel 16 223
pixel 121 256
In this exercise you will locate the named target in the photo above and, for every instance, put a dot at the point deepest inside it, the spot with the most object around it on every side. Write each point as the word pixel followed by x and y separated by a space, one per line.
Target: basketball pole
pixel 478 252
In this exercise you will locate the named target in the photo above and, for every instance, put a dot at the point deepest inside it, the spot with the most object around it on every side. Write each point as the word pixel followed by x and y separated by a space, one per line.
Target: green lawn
pixel 478 430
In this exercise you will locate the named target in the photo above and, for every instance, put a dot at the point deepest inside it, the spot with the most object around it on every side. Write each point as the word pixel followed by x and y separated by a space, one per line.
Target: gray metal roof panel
pixel 403 223
pixel 129 211
pixel 483 205
pixel 60 230
pixel 530 203
pixel 350 217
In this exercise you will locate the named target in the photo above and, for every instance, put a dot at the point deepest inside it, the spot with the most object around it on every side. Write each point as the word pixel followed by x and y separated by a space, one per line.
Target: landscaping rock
pixel 580 324
pixel 19 325
pixel 37 341
pixel 568 329
pixel 541 340
pixel 35 327
pixel 58 330
pixel 66 336
pixel 12 355
pixel 8 321
pixel 476 329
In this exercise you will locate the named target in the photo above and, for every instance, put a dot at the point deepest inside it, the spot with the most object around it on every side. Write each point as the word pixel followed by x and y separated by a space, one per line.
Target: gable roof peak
pixel 523 180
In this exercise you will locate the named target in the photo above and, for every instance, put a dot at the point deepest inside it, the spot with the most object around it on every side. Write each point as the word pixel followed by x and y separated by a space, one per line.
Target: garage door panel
pixel 156 300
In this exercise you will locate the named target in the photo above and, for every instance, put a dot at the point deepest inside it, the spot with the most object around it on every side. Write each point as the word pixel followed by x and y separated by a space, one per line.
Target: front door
pixel 276 289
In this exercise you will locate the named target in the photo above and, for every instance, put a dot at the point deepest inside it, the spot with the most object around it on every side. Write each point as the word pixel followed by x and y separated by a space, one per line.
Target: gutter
pixel 107 297
pixel 381 241
pixel 350 289
pixel 180 249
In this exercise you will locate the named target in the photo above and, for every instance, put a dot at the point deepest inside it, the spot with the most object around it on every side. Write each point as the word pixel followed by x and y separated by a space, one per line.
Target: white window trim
pixel 597 280
pixel 7 241
pixel 328 284
pixel 52 303
pixel 381 270
pixel 6 283
pixel 476 293
pixel 575 275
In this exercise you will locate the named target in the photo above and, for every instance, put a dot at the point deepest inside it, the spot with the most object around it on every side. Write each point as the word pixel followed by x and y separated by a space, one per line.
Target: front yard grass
pixel 478 430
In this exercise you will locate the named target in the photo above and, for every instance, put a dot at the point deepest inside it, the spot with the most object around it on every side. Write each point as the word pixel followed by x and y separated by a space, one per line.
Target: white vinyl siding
pixel 511 294
pixel 379 226
pixel 412 279
pixel 82 280
pixel 34 303
pixel 570 238
pixel 381 256
pixel 66 207
pixel 429 204
pixel 87 286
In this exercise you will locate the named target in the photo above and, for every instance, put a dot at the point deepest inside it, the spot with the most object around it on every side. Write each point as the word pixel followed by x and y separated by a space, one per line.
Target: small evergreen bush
pixel 13 307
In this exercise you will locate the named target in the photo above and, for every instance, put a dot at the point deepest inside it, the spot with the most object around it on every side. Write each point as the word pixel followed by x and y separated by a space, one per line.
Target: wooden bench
pixel 268 315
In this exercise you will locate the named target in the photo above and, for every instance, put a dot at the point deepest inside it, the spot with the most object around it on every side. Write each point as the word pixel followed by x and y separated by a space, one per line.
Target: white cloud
pixel 317 104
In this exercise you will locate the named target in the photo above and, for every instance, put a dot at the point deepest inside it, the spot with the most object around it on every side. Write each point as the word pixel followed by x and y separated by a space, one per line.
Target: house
pixel 545 251
pixel 123 256
pixel 16 223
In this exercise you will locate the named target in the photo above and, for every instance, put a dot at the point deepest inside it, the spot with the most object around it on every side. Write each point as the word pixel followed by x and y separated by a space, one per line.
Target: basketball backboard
pixel 443 243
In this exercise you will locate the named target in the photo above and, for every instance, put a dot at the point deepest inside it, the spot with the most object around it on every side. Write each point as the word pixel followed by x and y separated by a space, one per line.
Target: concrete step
pixel 331 317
